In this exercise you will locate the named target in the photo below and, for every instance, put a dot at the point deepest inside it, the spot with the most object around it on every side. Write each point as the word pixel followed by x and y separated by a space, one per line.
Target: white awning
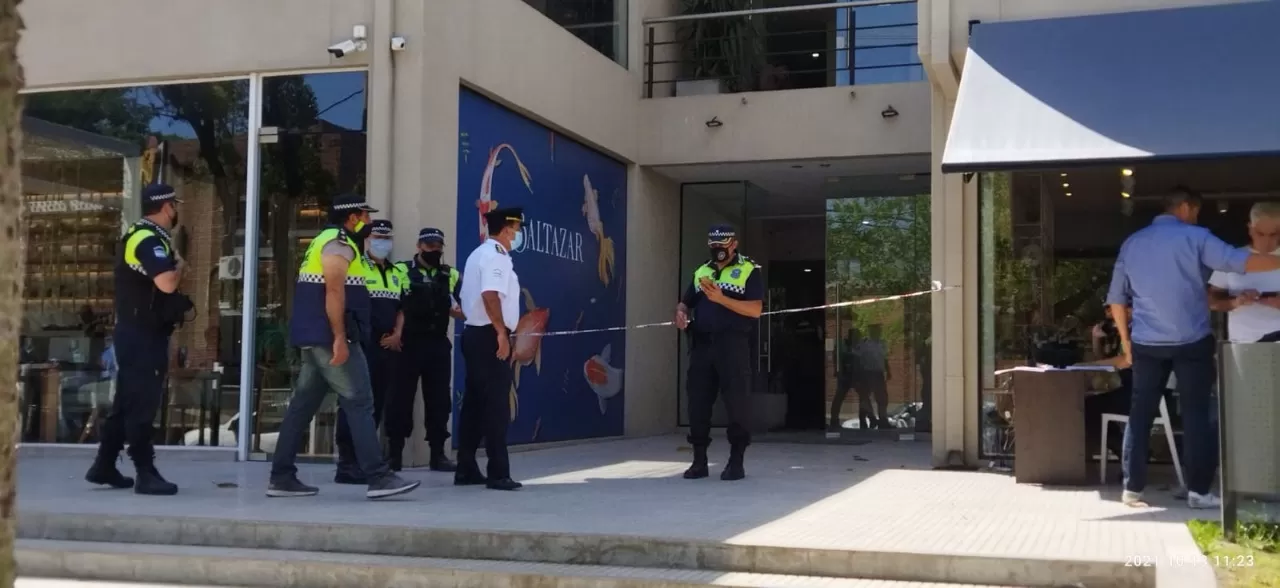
pixel 1187 83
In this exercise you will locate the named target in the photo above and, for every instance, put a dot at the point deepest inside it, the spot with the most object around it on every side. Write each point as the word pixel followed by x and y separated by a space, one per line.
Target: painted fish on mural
pixel 604 379
pixel 591 210
pixel 486 203
pixel 527 349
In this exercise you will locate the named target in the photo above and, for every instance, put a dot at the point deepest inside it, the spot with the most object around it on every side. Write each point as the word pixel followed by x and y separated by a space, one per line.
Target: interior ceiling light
pixel 1068 194
pixel 1065 185
pixel 1064 175
pixel 1124 194
pixel 816 55
pixel 1126 172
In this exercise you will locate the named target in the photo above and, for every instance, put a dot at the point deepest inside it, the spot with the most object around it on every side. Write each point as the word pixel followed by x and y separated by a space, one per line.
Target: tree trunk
pixel 11 275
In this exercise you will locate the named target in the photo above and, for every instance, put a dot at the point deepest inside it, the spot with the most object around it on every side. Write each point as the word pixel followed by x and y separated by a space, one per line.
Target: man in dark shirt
pixel 726 295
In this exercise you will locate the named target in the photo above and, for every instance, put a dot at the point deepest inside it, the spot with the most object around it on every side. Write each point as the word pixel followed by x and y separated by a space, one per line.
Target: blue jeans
pixel 1193 364
pixel 355 397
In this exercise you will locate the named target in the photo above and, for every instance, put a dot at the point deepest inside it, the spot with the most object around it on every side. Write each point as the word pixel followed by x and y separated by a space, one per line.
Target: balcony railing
pixel 779 48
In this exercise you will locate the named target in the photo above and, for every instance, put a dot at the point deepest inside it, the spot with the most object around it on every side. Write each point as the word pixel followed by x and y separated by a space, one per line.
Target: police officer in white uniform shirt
pixel 490 300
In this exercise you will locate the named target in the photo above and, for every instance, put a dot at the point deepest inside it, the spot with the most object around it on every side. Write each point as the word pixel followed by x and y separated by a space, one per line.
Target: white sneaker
pixel 1131 498
pixel 1209 500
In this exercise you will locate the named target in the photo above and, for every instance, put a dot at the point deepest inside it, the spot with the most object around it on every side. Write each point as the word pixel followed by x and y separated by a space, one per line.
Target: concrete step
pixel 138 562
pixel 581 549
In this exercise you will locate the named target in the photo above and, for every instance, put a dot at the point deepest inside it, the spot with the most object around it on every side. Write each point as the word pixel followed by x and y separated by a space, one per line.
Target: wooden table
pixel 1048 425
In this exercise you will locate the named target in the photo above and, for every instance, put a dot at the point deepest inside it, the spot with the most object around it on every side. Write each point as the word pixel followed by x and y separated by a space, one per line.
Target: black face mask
pixel 719 254
pixel 363 233
pixel 431 258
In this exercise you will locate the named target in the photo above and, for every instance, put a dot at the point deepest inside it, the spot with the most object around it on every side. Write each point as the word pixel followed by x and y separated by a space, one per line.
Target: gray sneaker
pixel 389 485
pixel 290 488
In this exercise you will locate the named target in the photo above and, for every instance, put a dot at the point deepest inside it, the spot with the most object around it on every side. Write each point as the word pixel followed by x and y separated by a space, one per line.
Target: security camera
pixel 355 43
pixel 397 43
pixel 340 50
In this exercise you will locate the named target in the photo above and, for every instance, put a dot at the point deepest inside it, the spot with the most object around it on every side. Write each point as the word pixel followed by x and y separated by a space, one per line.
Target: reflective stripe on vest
pixel 733 278
pixel 394 286
pixel 135 236
pixel 312 270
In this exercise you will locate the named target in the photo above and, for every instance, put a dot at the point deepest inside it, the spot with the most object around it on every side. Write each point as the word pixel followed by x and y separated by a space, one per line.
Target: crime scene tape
pixel 936 287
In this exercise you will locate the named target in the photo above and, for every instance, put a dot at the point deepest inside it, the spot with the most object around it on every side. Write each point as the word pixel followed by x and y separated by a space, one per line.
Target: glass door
pixel 703 205
pixel 878 353
pixel 312 147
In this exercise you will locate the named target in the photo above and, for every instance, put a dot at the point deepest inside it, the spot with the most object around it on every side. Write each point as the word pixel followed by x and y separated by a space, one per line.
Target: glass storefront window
pixel 318 151
pixel 878 373
pixel 87 155
pixel 602 24
pixel 1040 274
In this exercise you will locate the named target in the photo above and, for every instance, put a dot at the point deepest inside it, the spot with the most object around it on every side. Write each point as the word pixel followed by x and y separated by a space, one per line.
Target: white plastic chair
pixel 1164 422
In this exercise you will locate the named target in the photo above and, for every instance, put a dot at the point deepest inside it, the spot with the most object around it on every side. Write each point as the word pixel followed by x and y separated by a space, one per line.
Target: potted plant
pixel 721 55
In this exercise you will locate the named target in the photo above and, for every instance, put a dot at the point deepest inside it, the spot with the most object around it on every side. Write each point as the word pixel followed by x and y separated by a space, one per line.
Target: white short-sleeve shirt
pixel 489 269
pixel 1249 323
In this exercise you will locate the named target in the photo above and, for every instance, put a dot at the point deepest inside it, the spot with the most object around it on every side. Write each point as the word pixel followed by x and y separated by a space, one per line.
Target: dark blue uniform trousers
pixel 143 360
pixel 719 366
pixel 429 361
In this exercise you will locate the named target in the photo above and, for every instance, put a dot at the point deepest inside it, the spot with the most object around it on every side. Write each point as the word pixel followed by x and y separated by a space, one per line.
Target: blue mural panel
pixel 571 268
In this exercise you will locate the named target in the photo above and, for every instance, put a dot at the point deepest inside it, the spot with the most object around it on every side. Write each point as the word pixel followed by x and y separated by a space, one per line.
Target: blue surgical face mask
pixel 380 248
pixel 517 243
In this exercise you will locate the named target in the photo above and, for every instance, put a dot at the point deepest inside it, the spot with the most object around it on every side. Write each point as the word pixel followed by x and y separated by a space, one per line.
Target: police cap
pixel 158 193
pixel 349 203
pixel 431 235
pixel 381 227
pixel 721 233
pixel 502 216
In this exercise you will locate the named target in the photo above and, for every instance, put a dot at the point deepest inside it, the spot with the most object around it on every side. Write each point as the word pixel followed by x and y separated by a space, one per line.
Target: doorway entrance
pixel 836 372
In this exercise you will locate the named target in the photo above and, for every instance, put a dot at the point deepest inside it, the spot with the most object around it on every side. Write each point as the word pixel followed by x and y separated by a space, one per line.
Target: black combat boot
pixel 104 472
pixel 150 482
pixel 440 462
pixel 468 472
pixel 699 467
pixel 395 454
pixel 349 471
pixel 733 470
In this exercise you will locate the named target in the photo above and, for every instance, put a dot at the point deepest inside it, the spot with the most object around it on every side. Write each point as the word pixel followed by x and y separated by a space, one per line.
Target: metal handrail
pixel 775 10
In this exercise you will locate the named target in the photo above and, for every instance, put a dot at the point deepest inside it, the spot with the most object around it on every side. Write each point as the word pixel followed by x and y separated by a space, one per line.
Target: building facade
pixel 624 127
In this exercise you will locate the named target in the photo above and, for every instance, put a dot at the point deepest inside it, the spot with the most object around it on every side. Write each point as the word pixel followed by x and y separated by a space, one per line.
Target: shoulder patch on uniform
pixel 736 273
pixel 159 251
pixel 498 248
pixel 395 280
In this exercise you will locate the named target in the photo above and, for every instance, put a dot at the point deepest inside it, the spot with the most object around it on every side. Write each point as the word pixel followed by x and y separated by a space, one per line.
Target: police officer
pixel 491 303
pixel 386 284
pixel 726 296
pixel 428 351
pixel 332 319
pixel 148 307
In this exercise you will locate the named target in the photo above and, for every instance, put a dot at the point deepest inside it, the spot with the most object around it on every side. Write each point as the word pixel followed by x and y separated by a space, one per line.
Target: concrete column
pixel 422 186
pixel 380 87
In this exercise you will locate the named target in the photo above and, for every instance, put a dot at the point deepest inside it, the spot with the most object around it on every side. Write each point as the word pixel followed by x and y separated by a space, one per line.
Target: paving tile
pixel 812 496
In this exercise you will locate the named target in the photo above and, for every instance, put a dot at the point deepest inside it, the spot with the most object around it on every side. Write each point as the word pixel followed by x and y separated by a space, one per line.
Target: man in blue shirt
pixel 1161 272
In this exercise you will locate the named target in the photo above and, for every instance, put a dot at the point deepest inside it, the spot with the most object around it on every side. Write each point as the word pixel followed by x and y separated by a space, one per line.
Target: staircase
pixel 280 554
